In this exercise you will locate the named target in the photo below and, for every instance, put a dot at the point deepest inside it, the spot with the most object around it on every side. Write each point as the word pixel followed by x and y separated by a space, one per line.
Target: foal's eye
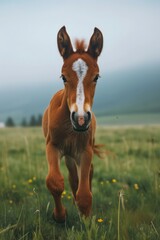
pixel 96 78
pixel 64 79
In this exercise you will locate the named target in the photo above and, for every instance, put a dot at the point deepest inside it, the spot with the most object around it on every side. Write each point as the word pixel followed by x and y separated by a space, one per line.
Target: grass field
pixel 129 119
pixel 126 188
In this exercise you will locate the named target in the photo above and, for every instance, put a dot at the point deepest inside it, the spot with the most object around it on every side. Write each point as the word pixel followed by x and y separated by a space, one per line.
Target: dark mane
pixel 80 46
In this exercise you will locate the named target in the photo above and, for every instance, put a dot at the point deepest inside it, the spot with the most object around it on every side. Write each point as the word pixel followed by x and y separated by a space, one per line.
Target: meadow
pixel 126 188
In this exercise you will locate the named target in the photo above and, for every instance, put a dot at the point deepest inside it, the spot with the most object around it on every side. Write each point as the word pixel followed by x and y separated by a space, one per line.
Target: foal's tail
pixel 98 150
pixel 101 152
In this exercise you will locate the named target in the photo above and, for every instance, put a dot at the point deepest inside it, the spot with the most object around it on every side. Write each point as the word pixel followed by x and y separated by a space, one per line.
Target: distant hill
pixel 133 91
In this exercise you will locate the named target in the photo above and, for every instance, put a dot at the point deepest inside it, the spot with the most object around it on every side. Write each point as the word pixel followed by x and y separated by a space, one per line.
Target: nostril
pixel 73 116
pixel 89 115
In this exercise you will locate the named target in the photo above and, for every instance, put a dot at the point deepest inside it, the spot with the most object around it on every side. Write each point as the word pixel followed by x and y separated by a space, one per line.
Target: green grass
pixel 126 188
pixel 130 119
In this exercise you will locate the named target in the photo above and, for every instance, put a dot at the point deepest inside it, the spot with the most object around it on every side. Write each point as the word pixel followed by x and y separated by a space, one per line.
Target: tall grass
pixel 126 188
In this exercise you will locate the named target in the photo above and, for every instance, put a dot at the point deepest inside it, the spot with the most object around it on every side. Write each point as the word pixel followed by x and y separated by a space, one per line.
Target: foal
pixel 69 123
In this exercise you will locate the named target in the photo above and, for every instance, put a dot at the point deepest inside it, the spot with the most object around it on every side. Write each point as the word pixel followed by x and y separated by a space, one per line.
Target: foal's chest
pixel 71 144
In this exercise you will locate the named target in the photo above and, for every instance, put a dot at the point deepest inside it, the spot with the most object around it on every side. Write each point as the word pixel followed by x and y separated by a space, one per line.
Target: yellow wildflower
pixel 30 180
pixel 101 182
pixel 13 186
pixel 136 187
pixel 114 180
pixel 64 192
pixel 100 220
pixel 69 197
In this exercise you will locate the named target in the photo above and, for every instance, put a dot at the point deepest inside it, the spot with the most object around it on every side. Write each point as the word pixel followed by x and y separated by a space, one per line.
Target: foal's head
pixel 80 73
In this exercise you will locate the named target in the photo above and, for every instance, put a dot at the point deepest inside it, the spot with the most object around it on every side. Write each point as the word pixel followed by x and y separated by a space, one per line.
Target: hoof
pixel 60 218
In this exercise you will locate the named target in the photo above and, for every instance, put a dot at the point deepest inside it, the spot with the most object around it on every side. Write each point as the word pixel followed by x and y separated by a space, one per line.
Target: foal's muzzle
pixel 81 122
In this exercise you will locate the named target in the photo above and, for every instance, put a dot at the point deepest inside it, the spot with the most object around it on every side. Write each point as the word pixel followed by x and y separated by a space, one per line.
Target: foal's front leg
pixel 84 194
pixel 55 181
pixel 73 178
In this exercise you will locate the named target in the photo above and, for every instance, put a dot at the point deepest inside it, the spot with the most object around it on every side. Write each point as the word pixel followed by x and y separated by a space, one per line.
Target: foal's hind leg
pixel 55 181
pixel 73 178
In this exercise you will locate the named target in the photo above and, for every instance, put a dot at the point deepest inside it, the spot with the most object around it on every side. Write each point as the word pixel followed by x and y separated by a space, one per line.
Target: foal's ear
pixel 64 43
pixel 95 44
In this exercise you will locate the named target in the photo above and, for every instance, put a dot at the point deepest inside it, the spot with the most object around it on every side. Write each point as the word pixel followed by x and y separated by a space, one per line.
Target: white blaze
pixel 80 67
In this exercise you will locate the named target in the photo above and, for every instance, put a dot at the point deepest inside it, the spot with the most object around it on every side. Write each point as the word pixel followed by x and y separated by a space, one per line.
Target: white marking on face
pixel 80 67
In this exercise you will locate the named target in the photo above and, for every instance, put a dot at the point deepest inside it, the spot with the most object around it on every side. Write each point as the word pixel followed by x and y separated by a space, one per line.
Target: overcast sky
pixel 28 35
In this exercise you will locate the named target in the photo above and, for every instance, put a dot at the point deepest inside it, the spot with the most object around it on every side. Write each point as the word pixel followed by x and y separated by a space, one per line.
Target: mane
pixel 80 46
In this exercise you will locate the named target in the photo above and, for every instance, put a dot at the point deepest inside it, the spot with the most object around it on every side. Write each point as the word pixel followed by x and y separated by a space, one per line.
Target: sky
pixel 28 35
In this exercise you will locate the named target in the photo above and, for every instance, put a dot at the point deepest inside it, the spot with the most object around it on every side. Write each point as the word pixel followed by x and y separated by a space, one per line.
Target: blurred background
pixel 128 91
